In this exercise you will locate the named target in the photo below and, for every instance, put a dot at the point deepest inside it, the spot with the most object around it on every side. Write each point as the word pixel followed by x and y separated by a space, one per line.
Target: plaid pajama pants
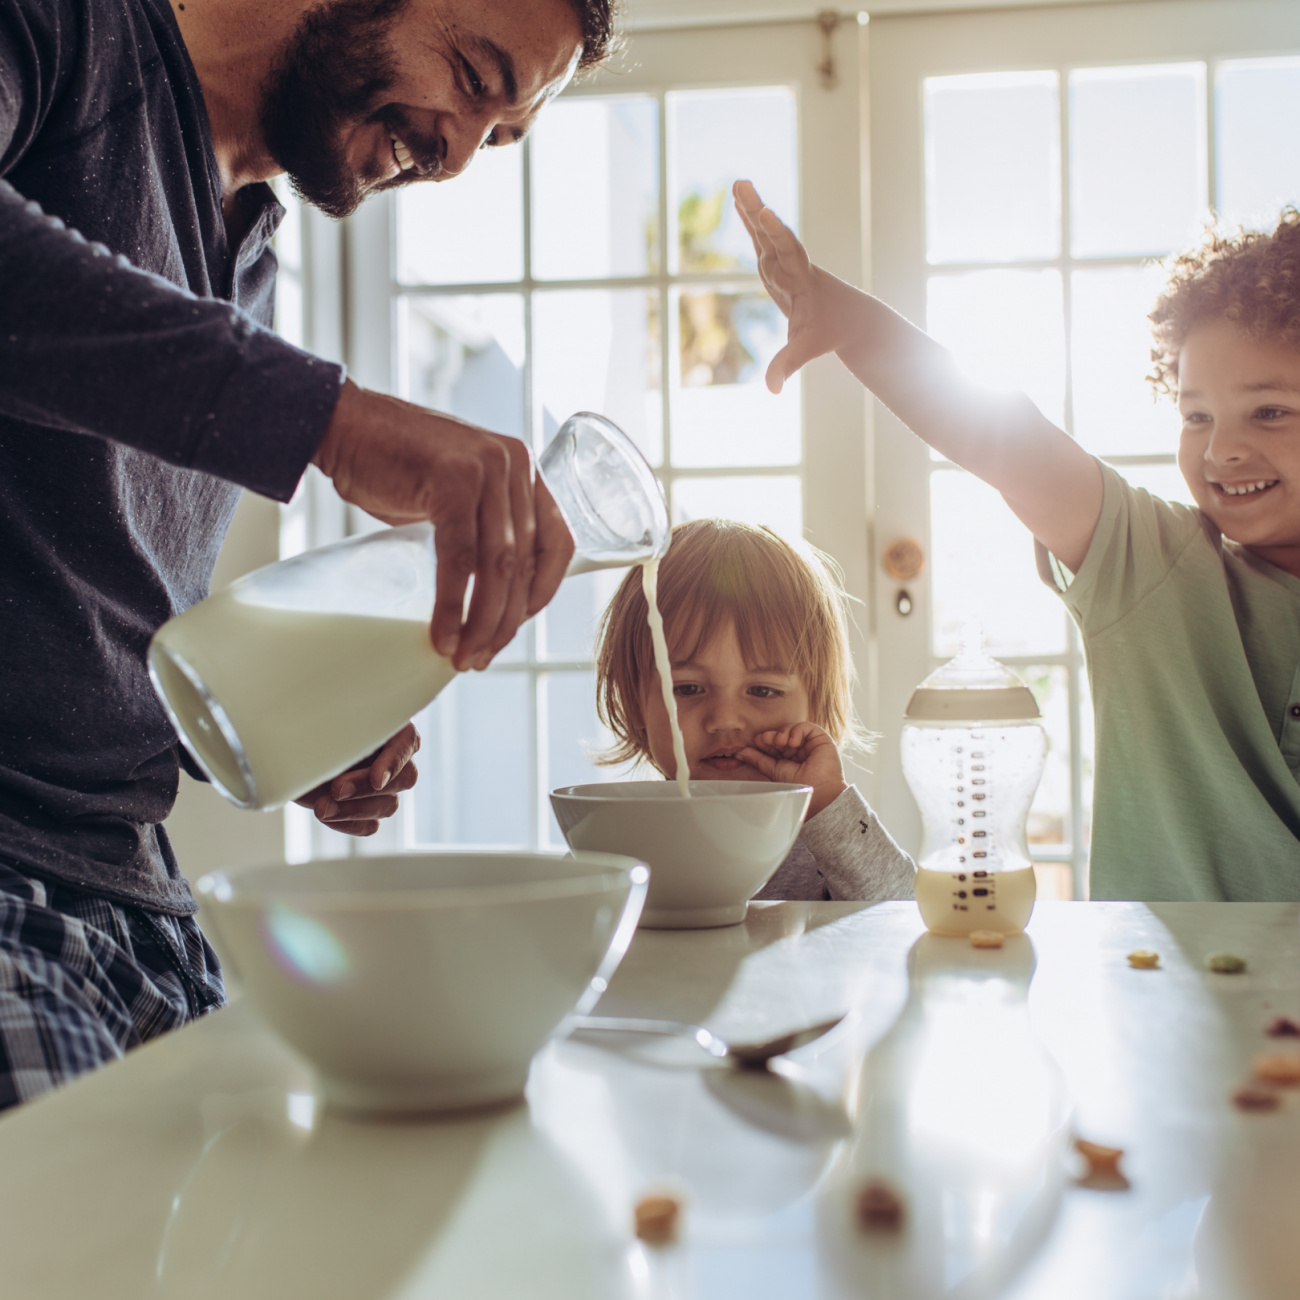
pixel 83 980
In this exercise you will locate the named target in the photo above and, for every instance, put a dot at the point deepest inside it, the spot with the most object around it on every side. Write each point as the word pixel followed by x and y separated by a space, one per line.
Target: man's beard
pixel 334 73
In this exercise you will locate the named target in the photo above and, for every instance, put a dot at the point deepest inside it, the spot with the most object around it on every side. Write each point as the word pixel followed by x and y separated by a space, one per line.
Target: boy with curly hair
pixel 1190 617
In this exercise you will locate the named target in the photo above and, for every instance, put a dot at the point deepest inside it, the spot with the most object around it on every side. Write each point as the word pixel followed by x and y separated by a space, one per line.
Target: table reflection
pixel 289 1198
pixel 961 1110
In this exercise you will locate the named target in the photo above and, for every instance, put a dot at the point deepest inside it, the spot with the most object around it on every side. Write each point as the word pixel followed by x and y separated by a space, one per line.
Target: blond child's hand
pixel 816 304
pixel 802 754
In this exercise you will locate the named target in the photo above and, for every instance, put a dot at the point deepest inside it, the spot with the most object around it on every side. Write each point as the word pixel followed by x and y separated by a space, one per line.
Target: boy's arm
pixel 1047 479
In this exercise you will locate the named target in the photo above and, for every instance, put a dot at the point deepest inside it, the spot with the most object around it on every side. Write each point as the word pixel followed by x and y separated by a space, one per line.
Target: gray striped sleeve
pixel 855 854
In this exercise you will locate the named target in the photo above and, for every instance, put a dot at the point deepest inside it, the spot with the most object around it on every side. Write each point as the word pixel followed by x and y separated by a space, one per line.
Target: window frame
pixel 907 49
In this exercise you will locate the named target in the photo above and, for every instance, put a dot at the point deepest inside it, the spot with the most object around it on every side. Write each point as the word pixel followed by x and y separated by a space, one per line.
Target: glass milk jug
pixel 973 753
pixel 294 672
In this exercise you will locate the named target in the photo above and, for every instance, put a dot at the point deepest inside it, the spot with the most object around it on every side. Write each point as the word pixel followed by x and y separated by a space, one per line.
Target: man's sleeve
pixel 91 344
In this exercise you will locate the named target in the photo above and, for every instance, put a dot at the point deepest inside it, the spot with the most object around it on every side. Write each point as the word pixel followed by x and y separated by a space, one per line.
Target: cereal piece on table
pixel 1282 1068
pixel 1226 963
pixel 1283 1027
pixel 1144 960
pixel 657 1219
pixel 986 939
pixel 1255 1100
pixel 879 1207
pixel 1103 1173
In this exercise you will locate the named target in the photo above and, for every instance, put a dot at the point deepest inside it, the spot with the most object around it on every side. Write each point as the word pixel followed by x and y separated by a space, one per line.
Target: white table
pixel 202 1166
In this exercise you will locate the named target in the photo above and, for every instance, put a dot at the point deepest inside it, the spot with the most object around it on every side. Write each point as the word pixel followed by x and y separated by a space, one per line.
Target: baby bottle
pixel 291 674
pixel 973 753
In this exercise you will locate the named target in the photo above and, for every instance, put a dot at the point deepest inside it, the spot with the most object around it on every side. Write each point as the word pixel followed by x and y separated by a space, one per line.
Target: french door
pixel 1028 167
pixel 600 266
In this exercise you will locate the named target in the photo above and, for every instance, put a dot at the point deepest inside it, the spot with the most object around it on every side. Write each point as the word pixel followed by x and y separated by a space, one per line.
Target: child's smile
pixel 722 704
pixel 1240 448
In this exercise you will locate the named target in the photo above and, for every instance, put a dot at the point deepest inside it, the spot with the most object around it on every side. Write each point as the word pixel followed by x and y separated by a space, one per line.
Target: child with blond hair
pixel 1190 616
pixel 762 679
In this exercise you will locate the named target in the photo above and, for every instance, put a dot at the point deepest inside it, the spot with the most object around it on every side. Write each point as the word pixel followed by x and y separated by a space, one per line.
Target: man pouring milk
pixel 141 389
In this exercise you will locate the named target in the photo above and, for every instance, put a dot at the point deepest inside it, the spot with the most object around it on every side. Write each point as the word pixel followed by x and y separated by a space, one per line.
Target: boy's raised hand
pixel 802 754
pixel 1047 479
pixel 805 293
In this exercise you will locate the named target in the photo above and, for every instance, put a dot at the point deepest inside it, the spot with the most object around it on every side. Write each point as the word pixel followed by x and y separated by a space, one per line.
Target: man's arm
pixel 1051 483
pixel 91 344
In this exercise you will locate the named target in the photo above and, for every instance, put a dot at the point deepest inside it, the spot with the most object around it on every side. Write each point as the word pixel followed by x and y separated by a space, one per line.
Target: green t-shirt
pixel 1193 649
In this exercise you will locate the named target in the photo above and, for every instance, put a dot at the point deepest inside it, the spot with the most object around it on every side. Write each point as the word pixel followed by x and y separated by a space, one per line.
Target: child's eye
pixel 1196 417
pixel 685 689
pixel 766 692
pixel 1270 413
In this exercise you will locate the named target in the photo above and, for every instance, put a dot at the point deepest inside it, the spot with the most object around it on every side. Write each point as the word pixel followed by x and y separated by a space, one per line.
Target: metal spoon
pixel 749 1056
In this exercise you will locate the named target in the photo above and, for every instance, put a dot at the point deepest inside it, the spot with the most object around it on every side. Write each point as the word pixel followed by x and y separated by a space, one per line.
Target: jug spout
pixel 607 493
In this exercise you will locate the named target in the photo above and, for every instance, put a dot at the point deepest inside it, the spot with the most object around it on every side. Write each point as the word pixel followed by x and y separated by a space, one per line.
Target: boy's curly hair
pixel 1248 277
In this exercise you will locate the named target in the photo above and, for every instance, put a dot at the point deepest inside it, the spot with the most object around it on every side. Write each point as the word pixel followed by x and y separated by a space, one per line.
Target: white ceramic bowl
pixel 708 855
pixel 425 981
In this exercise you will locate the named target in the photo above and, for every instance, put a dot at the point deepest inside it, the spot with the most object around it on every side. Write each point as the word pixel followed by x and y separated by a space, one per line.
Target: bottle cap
pixel 972 687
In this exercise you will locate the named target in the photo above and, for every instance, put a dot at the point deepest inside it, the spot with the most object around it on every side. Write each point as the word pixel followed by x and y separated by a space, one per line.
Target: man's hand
pixel 800 755
pixel 493 518
pixel 351 802
pixel 810 298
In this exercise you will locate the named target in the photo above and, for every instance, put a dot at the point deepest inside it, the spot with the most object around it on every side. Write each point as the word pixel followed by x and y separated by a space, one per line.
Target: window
pixel 600 267
pixel 1048 191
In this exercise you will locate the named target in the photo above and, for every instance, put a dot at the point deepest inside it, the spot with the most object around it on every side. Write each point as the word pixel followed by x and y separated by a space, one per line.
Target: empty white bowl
pixel 708 855
pixel 425 981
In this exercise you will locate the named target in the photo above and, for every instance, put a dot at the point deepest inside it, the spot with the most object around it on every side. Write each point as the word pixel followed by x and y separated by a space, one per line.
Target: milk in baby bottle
pixel 973 753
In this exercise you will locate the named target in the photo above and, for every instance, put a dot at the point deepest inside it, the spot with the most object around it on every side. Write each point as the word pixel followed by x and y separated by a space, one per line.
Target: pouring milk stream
pixel 293 673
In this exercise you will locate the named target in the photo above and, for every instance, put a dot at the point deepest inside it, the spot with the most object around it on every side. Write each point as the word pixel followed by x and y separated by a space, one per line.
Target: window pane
pixel 1163 481
pixel 574 737
pixel 771 500
pixel 468 232
pixel 1007 330
pixel 984 569
pixel 288 235
pixel 1258 157
pixel 595 198
pixel 1049 818
pixel 1115 411
pixel 1087 752
pixel 465 356
pixel 598 350
pixel 1137 158
pixel 474 762
pixel 716 137
pixel 992 167
pixel 288 308
pixel 290 321
pixel 722 412
pixel 571 618
pixel 1053 882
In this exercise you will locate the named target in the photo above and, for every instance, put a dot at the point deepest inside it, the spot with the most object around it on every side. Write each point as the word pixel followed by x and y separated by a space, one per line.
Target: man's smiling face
pixel 373 94
pixel 1239 399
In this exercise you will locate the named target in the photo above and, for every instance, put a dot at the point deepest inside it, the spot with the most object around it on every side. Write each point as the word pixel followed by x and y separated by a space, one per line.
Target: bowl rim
pixel 237 890
pixel 742 790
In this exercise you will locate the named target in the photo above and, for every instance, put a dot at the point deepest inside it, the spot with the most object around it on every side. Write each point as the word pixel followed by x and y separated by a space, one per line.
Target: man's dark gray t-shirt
pixel 139 389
